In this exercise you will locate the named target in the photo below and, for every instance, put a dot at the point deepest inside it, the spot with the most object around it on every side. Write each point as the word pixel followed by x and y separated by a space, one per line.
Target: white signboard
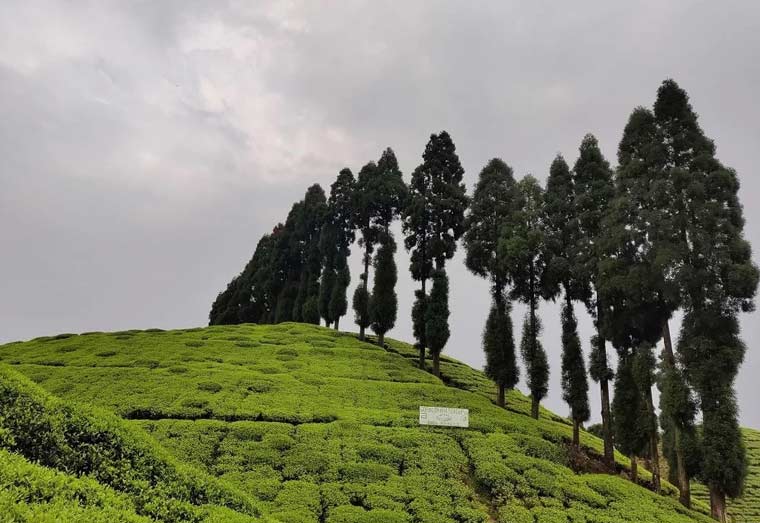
pixel 444 417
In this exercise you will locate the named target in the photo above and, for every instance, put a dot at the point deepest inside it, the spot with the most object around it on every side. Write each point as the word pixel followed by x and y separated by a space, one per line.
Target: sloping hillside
pixel 747 508
pixel 315 426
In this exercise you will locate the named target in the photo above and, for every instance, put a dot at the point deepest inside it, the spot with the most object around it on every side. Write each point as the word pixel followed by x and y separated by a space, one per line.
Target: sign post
pixel 444 417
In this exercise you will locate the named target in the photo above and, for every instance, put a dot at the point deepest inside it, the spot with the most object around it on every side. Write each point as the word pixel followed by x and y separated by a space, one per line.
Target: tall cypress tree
pixel 562 237
pixel 327 280
pixel 383 304
pixel 417 227
pixel 337 237
pixel 378 199
pixel 433 218
pixel 718 280
pixel 594 189
pixel 637 284
pixel 363 208
pixel 309 228
pixel 522 251
pixel 493 205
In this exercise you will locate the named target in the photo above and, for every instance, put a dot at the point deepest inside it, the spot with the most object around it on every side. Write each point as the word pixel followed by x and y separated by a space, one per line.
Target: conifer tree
pixel 574 380
pixel 383 304
pixel 644 364
pixel 522 251
pixel 493 205
pixel 637 286
pixel 593 190
pixel 499 347
pixel 363 209
pixel 361 306
pixel 627 408
pixel 378 199
pixel 433 217
pixel 562 237
pixel 327 280
pixel 718 280
pixel 308 229
pixel 338 303
pixel 536 363
pixel 337 236
pixel 437 318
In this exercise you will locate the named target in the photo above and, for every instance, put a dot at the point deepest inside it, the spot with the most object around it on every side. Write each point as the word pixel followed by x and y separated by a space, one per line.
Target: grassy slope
pixel 317 426
pixel 747 508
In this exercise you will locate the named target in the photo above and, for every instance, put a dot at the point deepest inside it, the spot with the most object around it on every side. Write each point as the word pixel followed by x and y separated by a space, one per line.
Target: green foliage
pixel 334 434
pixel 437 314
pixel 534 357
pixel 631 436
pixel 383 304
pixel 361 305
pixel 87 441
pixel 574 380
pixel 499 346
pixel 493 204
pixel 747 507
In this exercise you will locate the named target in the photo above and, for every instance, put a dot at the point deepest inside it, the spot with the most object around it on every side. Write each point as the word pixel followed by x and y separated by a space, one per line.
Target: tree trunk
pixel 683 479
pixel 437 365
pixel 327 324
pixel 718 504
pixel 576 434
pixel 634 469
pixel 534 407
pixel 336 323
pixel 366 285
pixel 534 400
pixel 654 452
pixel 381 339
pixel 422 344
pixel 500 401
pixel 609 447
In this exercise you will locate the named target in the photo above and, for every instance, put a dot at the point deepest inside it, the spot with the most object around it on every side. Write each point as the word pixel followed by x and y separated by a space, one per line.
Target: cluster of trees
pixel 662 232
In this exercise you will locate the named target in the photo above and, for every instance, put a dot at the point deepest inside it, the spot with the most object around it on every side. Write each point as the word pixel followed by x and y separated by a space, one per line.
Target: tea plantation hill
pixel 747 508
pixel 289 423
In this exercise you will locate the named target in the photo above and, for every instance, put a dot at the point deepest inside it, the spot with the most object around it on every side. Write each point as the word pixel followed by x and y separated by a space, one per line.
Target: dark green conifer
pixel 574 379
pixel 593 190
pixel 383 305
pixel 433 217
pixel 437 318
pixel 499 347
pixel 627 408
pixel 493 205
pixel 522 251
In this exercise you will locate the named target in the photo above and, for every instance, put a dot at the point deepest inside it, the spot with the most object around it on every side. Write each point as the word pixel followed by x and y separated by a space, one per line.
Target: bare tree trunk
pixel 718 504
pixel 576 434
pixel 609 447
pixel 381 339
pixel 634 469
pixel 437 365
pixel 422 344
pixel 534 407
pixel 500 398
pixel 336 323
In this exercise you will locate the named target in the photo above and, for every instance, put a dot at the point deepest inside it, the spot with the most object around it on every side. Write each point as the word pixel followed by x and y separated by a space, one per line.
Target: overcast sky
pixel 146 146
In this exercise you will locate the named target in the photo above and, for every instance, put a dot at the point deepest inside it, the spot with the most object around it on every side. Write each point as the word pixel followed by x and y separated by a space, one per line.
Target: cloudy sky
pixel 146 146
